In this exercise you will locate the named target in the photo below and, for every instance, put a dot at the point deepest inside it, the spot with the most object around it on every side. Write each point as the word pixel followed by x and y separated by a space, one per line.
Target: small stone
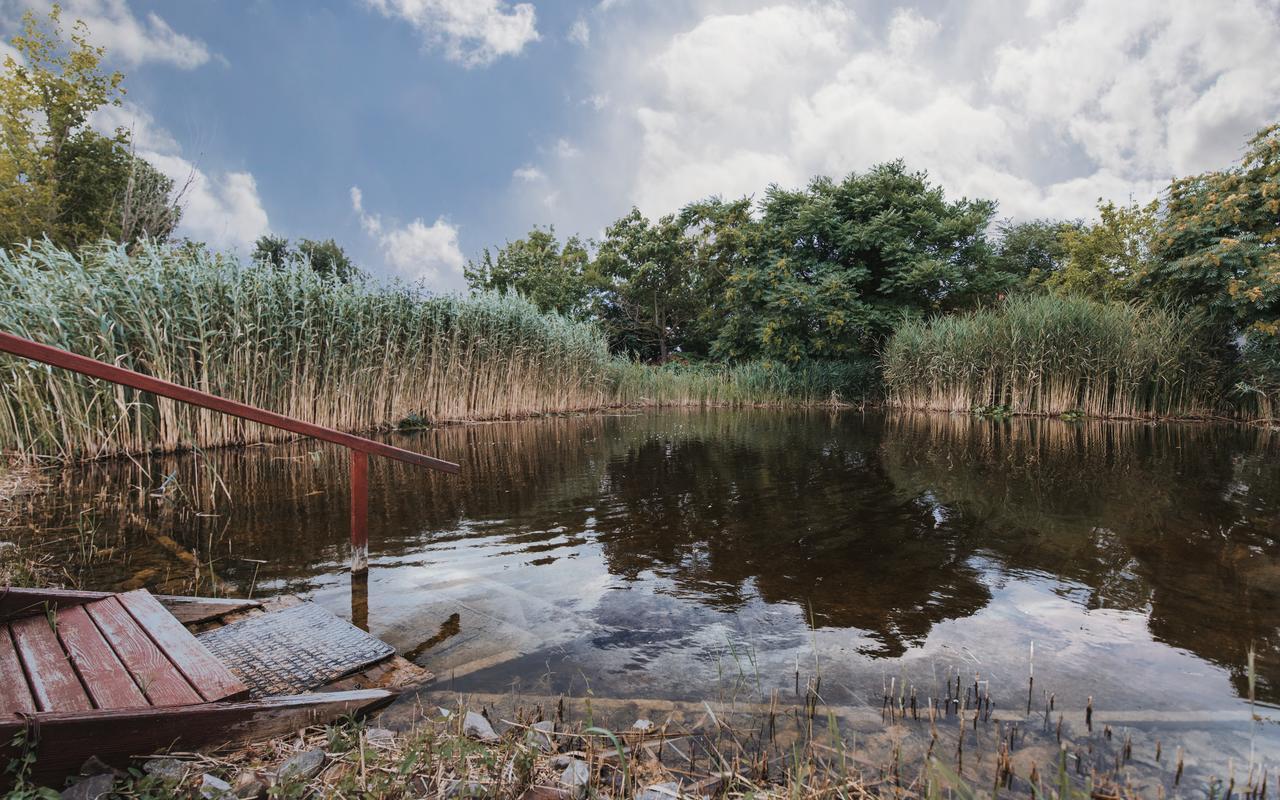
pixel 462 789
pixel 91 788
pixel 214 788
pixel 302 767
pixel 96 766
pixel 540 736
pixel 477 727
pixel 660 791
pixel 378 735
pixel 166 769
pixel 642 725
pixel 249 785
pixel 560 762
pixel 577 776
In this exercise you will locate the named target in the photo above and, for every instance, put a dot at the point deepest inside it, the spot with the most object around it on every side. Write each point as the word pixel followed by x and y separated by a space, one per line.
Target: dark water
pixel 686 555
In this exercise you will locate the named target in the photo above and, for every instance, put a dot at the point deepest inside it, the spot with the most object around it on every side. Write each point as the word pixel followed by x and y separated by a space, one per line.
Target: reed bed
pixel 1054 355
pixel 348 356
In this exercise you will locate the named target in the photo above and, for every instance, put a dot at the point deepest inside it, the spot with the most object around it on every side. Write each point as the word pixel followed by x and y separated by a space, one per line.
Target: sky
pixel 418 132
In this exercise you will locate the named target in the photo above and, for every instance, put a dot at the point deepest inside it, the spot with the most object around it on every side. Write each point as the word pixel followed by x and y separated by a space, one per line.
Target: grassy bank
pixel 356 357
pixel 1054 355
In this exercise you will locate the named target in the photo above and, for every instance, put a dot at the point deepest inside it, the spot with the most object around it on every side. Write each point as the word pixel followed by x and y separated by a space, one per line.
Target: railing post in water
pixel 359 512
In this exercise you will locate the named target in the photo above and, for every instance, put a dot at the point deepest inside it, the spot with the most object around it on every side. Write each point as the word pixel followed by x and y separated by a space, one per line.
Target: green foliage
pixel 326 259
pixel 555 277
pixel 1045 354
pixel 59 178
pixel 1218 246
pixel 840 262
pixel 744 383
pixel 652 296
pixel 1103 260
pixel 1031 252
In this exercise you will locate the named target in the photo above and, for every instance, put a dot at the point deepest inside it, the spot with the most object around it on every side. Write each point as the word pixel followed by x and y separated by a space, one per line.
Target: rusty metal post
pixel 359 512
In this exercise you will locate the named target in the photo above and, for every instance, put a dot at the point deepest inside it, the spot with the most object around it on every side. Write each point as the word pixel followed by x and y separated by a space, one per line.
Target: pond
pixel 682 555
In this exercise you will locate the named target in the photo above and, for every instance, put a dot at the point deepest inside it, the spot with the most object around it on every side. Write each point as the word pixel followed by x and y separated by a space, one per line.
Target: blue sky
pixel 464 122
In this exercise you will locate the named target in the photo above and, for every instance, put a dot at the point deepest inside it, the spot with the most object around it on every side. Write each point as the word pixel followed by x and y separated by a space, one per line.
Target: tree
pixel 58 177
pixel 554 277
pixel 326 258
pixel 1218 245
pixel 839 263
pixel 1103 260
pixel 1029 253
pixel 651 295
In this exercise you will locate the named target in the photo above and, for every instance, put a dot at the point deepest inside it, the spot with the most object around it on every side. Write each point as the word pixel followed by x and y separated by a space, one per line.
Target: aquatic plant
pixel 354 356
pixel 1054 355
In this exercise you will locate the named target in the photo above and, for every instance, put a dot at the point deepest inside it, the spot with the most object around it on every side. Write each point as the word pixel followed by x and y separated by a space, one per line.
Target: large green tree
pixel 60 178
pixel 326 258
pixel 651 295
pixel 553 276
pixel 1105 259
pixel 838 263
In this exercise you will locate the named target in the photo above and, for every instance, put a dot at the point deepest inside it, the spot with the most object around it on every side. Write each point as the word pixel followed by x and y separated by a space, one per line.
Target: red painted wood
pixel 158 678
pixel 14 692
pixel 206 674
pixel 359 511
pixel 68 739
pixel 15 602
pixel 126 377
pixel 54 683
pixel 107 681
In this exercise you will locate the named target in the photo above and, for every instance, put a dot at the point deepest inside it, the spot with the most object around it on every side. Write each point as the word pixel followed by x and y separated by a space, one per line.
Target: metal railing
pixel 360 447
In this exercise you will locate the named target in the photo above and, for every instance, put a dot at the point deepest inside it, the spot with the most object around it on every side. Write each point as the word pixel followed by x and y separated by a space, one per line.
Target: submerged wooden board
pixel 159 680
pixel 68 739
pixel 206 674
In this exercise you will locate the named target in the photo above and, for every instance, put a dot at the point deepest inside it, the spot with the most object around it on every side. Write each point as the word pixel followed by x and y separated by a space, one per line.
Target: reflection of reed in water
pixel 1178 521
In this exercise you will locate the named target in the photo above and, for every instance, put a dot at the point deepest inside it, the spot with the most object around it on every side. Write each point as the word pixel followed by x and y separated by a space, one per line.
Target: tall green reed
pixel 1046 354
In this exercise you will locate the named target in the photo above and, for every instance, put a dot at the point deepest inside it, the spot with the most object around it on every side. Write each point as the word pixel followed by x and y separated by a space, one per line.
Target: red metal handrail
pixel 360 447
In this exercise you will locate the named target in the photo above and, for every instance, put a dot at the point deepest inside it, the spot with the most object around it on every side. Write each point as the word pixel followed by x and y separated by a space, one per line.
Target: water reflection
pixel 612 548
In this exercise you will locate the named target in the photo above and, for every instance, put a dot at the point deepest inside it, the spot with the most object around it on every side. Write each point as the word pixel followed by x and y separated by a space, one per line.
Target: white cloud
pixel 580 32
pixel 1043 106
pixel 129 40
pixel 418 251
pixel 529 173
pixel 566 149
pixel 223 209
pixel 471 32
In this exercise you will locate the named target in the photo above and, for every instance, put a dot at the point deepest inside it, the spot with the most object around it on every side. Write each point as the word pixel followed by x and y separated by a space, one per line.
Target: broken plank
pixel 105 678
pixel 15 696
pixel 54 683
pixel 206 674
pixel 158 678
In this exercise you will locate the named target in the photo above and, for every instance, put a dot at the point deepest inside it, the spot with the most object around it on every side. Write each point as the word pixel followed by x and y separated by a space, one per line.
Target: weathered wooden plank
pixel 67 739
pixel 158 678
pixel 188 610
pixel 15 695
pixel 105 678
pixel 206 674
pixel 53 681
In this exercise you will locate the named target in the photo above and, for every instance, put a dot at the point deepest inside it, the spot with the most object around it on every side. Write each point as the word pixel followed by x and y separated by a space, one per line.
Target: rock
pixel 249 785
pixel 167 769
pixel 454 788
pixel 378 736
pixel 96 766
pixel 214 788
pixel 545 793
pixel 302 767
pixel 540 736
pixel 91 788
pixel 642 725
pixel 660 791
pixel 560 762
pixel 576 776
pixel 477 727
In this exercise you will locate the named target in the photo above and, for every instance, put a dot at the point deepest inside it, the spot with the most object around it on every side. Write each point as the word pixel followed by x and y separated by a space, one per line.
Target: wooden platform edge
pixel 187 610
pixel 67 739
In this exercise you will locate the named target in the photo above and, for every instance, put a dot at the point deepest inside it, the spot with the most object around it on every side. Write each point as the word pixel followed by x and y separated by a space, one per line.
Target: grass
pixel 1053 355
pixel 356 357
